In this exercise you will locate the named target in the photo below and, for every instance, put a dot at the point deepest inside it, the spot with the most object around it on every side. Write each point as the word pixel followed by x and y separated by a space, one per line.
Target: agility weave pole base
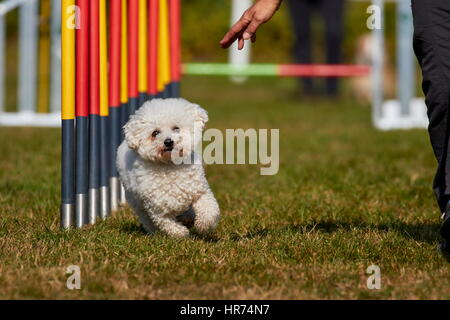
pixel 30 119
pixel 392 118
pixel 104 81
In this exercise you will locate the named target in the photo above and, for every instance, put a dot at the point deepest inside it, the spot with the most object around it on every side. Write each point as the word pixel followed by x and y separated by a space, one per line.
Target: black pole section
pixel 133 105
pixel 124 116
pixel 159 95
pixel 123 120
pixel 67 173
pixel 114 115
pixel 168 89
pixel 166 92
pixel 94 167
pixel 175 89
pixel 105 202
pixel 81 168
pixel 143 97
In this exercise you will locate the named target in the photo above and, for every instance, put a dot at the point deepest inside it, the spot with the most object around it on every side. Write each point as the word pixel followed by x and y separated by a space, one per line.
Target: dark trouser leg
pixel 333 11
pixel 432 48
pixel 301 11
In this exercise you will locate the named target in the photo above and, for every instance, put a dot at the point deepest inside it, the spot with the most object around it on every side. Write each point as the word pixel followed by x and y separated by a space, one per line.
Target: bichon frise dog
pixel 157 164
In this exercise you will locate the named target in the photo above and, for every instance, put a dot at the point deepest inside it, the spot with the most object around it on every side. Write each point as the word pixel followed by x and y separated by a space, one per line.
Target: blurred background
pixel 203 24
pixel 208 20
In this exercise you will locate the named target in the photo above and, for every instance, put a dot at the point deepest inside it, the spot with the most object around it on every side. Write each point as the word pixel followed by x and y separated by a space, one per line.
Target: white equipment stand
pixel 28 57
pixel 406 112
pixel 239 58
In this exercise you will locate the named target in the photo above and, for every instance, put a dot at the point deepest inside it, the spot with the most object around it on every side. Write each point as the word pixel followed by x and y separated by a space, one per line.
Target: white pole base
pixel 392 118
pixel 30 119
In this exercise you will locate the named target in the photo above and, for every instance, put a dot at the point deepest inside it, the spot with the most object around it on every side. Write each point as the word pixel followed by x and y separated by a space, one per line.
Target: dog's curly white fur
pixel 158 188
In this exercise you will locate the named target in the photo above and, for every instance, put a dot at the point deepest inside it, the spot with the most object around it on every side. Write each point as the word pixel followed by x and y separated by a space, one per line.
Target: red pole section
pixel 82 60
pixel 153 48
pixel 94 105
pixel 133 53
pixel 114 53
pixel 175 47
pixel 318 70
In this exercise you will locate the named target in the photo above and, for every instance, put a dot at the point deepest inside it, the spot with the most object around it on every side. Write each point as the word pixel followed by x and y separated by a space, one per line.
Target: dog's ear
pixel 134 131
pixel 200 115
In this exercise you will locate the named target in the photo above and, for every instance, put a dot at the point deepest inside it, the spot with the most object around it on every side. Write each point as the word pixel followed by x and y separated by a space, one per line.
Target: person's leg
pixel 333 12
pixel 301 11
pixel 432 48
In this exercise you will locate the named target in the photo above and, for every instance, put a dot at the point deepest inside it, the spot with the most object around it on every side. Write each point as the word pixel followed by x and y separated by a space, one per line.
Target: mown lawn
pixel 346 197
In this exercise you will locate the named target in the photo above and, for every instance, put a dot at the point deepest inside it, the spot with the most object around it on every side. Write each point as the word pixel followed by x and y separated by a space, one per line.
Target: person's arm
pixel 250 21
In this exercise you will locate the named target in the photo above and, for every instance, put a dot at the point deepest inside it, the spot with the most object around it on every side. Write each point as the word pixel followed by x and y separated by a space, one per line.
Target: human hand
pixel 251 20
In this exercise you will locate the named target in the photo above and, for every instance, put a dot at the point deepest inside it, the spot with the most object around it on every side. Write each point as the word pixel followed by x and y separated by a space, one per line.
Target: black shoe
pixel 444 247
pixel 445 233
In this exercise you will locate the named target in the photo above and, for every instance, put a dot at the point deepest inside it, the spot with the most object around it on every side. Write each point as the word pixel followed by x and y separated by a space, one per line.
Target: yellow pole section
pixel 124 56
pixel 104 111
pixel 68 19
pixel 44 58
pixel 163 46
pixel 143 47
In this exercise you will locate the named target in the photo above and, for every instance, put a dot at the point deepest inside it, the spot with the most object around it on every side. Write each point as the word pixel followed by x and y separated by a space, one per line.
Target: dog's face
pixel 166 130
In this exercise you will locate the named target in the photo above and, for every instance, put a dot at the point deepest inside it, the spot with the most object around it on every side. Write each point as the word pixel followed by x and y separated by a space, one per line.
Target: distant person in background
pixel 431 45
pixel 302 12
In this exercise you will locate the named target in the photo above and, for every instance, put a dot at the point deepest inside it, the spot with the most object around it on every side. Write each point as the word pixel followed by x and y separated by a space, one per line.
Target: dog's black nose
pixel 168 142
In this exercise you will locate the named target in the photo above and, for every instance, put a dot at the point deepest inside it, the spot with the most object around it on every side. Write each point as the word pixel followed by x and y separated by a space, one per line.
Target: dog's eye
pixel 155 133
pixel 176 129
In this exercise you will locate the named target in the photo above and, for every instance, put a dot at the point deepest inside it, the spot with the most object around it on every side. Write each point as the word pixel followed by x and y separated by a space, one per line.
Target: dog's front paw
pixel 169 226
pixel 206 224
pixel 207 213
pixel 181 232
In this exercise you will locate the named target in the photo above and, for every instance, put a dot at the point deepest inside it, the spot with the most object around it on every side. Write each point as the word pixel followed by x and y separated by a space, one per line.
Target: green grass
pixel 346 196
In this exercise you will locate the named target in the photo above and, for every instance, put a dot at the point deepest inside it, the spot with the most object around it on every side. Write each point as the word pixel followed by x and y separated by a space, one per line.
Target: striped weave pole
pixel 123 80
pixel 67 115
pixel 163 50
pixel 105 202
pixel 175 24
pixel 94 113
pixel 81 110
pixel 153 48
pixel 114 97
pixel 143 53
pixel 124 66
pixel 224 69
pixel 133 55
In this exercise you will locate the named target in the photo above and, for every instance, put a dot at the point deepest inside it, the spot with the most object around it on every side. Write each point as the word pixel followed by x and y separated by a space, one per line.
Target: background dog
pixel 362 87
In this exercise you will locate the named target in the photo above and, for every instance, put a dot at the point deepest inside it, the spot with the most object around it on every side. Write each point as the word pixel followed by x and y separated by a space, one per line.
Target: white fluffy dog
pixel 163 133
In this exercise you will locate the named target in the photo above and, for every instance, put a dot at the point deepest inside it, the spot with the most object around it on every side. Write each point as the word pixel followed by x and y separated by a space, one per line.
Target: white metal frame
pixel 406 112
pixel 27 66
pixel 239 58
